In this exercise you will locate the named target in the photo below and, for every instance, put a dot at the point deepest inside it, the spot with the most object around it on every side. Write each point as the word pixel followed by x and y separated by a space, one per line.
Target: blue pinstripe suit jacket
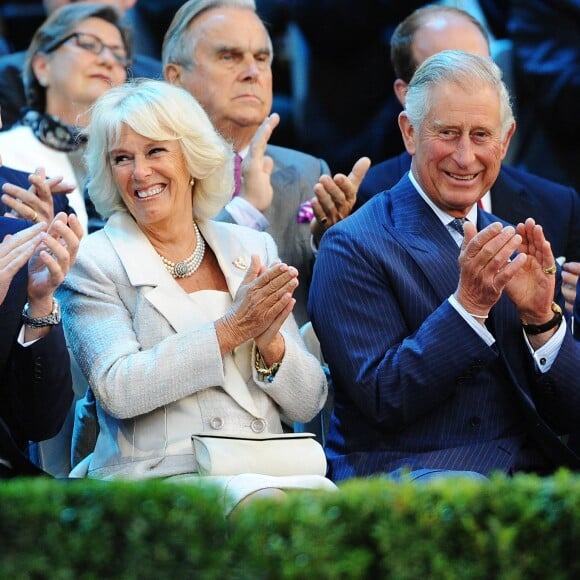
pixel 414 385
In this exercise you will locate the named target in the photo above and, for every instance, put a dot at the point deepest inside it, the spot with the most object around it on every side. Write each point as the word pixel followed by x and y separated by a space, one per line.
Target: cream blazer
pixel 152 357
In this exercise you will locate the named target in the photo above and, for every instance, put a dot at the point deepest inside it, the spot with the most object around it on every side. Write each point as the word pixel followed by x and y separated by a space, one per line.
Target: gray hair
pixel 161 112
pixel 459 67
pixel 178 44
pixel 55 28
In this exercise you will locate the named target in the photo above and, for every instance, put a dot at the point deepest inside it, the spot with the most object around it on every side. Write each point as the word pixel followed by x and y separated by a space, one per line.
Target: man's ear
pixel 407 132
pixel 400 87
pixel 172 73
pixel 507 139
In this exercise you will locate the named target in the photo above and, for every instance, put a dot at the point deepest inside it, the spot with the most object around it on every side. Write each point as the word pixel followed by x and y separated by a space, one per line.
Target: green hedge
pixel 521 528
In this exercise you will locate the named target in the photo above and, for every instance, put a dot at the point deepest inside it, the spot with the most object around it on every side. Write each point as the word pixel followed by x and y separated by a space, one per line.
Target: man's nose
pixel 464 152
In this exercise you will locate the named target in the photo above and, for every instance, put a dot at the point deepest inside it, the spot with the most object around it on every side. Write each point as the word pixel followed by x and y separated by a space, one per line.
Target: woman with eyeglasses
pixel 80 51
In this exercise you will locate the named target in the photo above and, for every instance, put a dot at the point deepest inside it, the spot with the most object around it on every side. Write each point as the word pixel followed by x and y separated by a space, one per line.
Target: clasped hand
pixel 35 203
pixel 487 269
pixel 262 304
pixel 335 196
pixel 54 256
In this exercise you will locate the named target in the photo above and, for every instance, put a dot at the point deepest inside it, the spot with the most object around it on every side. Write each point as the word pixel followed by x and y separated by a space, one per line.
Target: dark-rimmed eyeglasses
pixel 93 44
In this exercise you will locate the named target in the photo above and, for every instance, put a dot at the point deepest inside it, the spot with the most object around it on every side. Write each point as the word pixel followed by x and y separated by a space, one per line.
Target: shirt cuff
pixel 313 246
pixel 480 329
pixel 21 338
pixel 245 214
pixel 545 356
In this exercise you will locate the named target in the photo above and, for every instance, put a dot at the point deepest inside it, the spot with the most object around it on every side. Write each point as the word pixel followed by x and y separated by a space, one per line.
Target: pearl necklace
pixel 188 266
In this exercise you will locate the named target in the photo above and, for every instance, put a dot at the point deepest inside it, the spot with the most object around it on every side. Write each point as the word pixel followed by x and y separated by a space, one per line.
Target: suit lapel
pixel 233 257
pixel 144 268
pixel 424 237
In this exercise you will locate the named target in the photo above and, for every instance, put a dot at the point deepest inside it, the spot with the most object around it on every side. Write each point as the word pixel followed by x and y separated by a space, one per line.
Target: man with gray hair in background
pixel 220 51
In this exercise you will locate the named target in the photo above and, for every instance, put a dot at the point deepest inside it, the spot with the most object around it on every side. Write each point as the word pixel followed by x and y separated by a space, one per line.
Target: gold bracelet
pixel 265 373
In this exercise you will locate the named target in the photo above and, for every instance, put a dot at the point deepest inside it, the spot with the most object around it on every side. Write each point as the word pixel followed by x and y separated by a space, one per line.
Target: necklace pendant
pixel 190 265
pixel 180 270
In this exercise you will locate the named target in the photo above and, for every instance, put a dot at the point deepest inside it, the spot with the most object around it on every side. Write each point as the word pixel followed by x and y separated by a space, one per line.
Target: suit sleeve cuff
pixel 479 329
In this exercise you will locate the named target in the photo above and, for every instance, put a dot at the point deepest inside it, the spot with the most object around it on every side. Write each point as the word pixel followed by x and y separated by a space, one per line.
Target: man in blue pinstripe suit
pixel 446 344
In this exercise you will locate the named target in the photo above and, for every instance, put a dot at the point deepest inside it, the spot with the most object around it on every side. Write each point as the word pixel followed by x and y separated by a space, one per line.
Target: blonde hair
pixel 161 112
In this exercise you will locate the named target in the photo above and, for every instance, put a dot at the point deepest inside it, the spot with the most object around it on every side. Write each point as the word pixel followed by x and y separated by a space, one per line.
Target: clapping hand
pixel 570 275
pixel 336 196
pixel 35 203
pixel 257 167
pixel 15 251
pixel 485 266
pixel 261 306
pixel 532 287
pixel 53 257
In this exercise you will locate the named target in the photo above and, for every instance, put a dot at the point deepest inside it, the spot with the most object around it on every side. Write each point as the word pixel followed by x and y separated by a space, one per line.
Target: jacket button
pixel 216 423
pixel 258 425
pixel 475 421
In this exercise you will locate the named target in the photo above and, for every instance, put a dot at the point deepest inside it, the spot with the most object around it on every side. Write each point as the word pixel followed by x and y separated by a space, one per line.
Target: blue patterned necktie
pixel 457 225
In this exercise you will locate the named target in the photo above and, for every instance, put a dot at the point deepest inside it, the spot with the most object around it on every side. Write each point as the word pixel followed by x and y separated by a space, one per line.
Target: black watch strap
pixel 539 328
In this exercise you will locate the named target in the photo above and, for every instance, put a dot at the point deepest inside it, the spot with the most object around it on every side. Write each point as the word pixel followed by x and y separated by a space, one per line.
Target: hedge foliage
pixel 521 528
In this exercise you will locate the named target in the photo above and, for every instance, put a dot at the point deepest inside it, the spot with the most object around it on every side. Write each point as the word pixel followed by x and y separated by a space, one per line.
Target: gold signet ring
pixel 551 270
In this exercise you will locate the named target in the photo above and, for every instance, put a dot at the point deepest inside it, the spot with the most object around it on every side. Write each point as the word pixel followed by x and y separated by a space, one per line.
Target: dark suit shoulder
pixel 517 195
pixel 381 209
pixel 146 67
pixel 383 176
pixel 536 184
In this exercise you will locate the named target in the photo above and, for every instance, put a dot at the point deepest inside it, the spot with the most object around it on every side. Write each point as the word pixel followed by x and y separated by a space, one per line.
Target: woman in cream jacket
pixel 180 324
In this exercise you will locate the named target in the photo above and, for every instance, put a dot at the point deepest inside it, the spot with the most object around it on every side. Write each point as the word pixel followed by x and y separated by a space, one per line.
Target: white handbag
pixel 269 454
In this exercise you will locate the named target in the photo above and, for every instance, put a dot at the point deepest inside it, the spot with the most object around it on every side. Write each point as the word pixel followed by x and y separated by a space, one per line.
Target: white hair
pixel 464 69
